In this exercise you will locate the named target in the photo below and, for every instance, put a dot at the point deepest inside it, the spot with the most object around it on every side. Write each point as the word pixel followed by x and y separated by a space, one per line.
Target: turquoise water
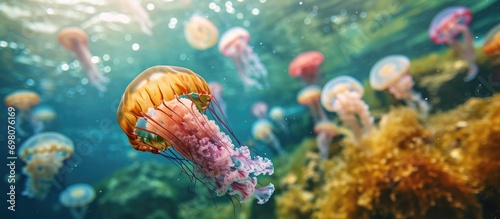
pixel 352 36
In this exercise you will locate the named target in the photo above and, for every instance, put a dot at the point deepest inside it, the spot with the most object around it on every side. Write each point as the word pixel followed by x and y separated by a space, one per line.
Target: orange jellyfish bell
pixel 200 33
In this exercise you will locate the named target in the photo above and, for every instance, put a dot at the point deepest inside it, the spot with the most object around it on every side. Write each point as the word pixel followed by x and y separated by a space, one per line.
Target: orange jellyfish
pixel 262 130
pixel 41 116
pixel 200 33
pixel 392 74
pixel 23 100
pixel 491 46
pixel 446 26
pixel 43 154
pixel 77 197
pixel 163 109
pixel 234 44
pixel 306 66
pixel 325 131
pixel 310 96
pixel 342 95
pixel 76 40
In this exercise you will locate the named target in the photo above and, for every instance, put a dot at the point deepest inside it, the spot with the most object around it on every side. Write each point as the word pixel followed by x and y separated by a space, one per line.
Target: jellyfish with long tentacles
pixel 234 44
pixel 41 116
pixel 392 74
pixel 43 154
pixel 325 130
pixel 23 100
pixel 200 33
pixel 342 95
pixel 77 197
pixel 446 26
pixel 262 130
pixel 259 109
pixel 134 8
pixel 76 40
pixel 163 111
pixel 306 66
pixel 277 114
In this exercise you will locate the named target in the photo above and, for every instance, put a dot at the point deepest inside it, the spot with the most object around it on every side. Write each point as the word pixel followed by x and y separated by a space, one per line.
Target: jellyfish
pixel 163 111
pixel 259 110
pixel 43 154
pixel 491 46
pixel 325 131
pixel 216 89
pixel 23 100
pixel 310 96
pixel 77 197
pixel 392 74
pixel 445 27
pixel 200 33
pixel 74 39
pixel 234 44
pixel 342 95
pixel 277 114
pixel 41 116
pixel 134 8
pixel 306 66
pixel 262 130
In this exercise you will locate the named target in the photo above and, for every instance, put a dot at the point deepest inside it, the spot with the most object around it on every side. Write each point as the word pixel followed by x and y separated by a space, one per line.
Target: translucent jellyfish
pixel 163 111
pixel 262 130
pixel 306 66
pixel 74 39
pixel 234 44
pixel 41 116
pixel 216 89
pixel 43 154
pixel 392 74
pixel 200 33
pixel 491 46
pixel 259 110
pixel 22 100
pixel 325 131
pixel 446 26
pixel 134 9
pixel 77 197
pixel 277 114
pixel 342 95
pixel 310 96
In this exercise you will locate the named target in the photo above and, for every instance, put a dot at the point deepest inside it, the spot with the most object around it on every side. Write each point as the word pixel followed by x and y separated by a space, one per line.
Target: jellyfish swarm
pixel 259 110
pixel 262 130
pixel 41 116
pixel 491 46
pixel 306 66
pixel 392 74
pixel 234 44
pixel 325 131
pixel 164 108
pixel 23 100
pixel 221 105
pixel 43 154
pixel 77 197
pixel 277 114
pixel 342 95
pixel 200 33
pixel 446 26
pixel 74 39
pixel 134 8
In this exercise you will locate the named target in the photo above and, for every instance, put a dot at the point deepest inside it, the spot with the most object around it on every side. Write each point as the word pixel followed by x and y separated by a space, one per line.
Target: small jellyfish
pixel 491 46
pixel 234 44
pixel 134 8
pixel 262 130
pixel 310 96
pixel 23 100
pixel 200 33
pixel 43 154
pixel 446 26
pixel 76 40
pixel 325 131
pixel 306 66
pixel 77 197
pixel 220 104
pixel 392 74
pixel 41 116
pixel 277 114
pixel 342 95
pixel 259 110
